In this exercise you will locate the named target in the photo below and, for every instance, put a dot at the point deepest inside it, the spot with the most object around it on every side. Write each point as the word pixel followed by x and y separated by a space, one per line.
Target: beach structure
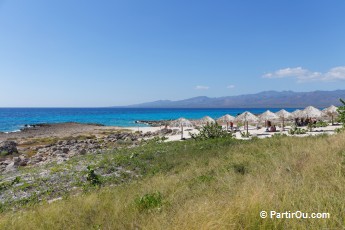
pixel 181 122
pixel 298 113
pixel 205 120
pixel 268 116
pixel 246 117
pixel 313 112
pixel 331 111
pixel 226 119
pixel 284 115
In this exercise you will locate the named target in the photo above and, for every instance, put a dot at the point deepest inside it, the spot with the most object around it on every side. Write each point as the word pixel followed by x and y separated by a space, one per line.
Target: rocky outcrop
pixel 8 147
pixel 62 150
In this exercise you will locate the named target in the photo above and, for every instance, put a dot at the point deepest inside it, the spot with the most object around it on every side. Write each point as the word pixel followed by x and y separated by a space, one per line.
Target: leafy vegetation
pixel 149 201
pixel 339 130
pixel 295 130
pixel 92 177
pixel 341 111
pixel 210 131
pixel 245 134
pixel 3 153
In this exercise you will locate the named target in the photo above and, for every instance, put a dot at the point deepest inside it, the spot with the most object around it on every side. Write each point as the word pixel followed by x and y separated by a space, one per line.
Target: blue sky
pixel 104 53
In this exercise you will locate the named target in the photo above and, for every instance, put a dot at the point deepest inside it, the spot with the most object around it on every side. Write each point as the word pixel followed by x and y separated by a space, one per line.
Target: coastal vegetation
pixel 219 183
pixel 341 111
pixel 210 131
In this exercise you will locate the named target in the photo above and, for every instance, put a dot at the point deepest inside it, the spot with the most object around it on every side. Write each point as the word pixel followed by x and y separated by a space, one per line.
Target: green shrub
pixel 277 135
pixel 92 177
pixel 3 153
pixel 339 130
pixel 149 201
pixel 295 130
pixel 245 134
pixel 210 131
pixel 341 111
pixel 320 124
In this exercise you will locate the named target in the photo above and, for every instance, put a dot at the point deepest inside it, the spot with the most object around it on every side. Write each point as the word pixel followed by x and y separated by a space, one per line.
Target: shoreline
pixel 58 142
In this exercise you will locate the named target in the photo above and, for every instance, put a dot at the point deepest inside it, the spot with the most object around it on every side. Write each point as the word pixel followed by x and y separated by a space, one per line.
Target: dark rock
pixel 8 147
pixel 82 152
pixel 65 150
pixel 22 163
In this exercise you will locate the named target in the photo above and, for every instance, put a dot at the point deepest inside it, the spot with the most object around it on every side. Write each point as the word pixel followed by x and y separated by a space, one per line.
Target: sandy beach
pixel 62 130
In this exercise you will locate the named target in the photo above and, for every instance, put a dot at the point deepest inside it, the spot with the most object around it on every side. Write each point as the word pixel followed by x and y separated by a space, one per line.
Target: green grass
pixel 211 184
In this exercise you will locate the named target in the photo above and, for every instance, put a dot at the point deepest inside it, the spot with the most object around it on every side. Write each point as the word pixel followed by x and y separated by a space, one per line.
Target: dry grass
pixel 218 188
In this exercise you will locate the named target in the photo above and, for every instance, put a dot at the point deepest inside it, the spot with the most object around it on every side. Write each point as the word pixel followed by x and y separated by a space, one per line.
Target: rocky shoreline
pixel 46 162
pixel 35 146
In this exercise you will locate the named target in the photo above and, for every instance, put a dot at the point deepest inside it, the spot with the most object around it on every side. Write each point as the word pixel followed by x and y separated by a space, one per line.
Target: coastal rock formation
pixel 63 149
pixel 8 147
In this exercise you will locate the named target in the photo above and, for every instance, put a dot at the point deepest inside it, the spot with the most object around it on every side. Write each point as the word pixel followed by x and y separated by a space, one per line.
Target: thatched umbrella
pixel 298 113
pixel 311 111
pixel 181 122
pixel 205 120
pixel 268 115
pixel 226 119
pixel 283 114
pixel 246 117
pixel 331 111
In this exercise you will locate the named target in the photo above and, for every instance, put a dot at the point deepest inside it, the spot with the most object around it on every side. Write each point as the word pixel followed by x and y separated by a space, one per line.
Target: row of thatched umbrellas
pixel 246 117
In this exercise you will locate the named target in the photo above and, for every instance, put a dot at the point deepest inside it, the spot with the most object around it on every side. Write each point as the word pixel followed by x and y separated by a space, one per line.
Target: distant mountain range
pixel 266 99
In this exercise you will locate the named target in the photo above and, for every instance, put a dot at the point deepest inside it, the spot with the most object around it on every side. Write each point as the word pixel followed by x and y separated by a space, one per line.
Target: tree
pixel 341 111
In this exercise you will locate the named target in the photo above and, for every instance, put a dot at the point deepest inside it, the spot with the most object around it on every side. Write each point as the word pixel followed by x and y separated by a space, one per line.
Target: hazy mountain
pixel 266 99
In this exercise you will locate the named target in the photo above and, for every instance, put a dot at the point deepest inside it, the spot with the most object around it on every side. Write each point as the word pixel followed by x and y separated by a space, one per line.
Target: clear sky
pixel 103 53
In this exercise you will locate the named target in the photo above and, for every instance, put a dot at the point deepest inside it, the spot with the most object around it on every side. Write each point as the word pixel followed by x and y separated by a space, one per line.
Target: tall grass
pixel 212 185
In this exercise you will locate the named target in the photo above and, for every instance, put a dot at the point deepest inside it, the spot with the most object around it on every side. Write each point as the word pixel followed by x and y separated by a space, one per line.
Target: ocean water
pixel 13 119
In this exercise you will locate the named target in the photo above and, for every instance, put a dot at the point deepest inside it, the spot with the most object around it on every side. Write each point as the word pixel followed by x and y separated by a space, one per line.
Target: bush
pixel 210 131
pixel 320 124
pixel 294 130
pixel 341 111
pixel 245 134
pixel 339 130
pixel 92 177
pixel 149 201
pixel 278 135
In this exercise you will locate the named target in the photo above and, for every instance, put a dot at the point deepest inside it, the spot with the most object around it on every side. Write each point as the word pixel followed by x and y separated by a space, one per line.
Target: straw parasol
pixel 181 122
pixel 268 115
pixel 226 119
pixel 205 120
pixel 247 117
pixel 311 111
pixel 283 114
pixel 331 112
pixel 298 113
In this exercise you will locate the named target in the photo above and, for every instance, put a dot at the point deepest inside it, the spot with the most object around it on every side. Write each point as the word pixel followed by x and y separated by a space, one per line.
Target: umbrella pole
pixel 181 132
pixel 283 125
pixel 332 120
pixel 247 127
pixel 227 126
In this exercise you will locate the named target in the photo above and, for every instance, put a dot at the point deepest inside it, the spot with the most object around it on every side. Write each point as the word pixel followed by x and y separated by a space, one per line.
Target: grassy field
pixel 212 184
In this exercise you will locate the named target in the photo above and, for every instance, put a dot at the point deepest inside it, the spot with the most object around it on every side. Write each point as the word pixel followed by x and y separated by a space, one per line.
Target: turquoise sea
pixel 13 119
